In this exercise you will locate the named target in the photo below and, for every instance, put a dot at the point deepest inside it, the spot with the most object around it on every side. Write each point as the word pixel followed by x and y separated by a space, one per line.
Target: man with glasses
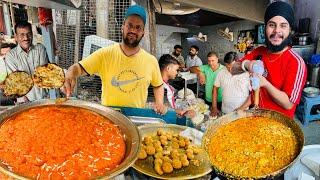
pixel 26 57
pixel 126 70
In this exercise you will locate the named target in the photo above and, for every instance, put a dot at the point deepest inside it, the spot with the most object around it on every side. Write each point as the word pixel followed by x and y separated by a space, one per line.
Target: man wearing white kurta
pixel 235 89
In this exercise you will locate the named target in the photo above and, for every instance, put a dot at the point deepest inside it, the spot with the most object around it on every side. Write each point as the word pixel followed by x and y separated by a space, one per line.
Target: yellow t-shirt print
pixel 127 81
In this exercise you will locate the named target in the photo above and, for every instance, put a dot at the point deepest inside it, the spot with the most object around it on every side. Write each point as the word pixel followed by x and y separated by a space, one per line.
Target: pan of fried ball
pixel 164 154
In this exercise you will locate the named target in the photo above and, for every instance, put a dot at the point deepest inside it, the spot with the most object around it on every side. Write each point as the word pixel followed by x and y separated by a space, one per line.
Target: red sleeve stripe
pixel 299 77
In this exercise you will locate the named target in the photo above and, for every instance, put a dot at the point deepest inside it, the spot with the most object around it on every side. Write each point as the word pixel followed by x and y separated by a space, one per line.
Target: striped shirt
pixel 18 60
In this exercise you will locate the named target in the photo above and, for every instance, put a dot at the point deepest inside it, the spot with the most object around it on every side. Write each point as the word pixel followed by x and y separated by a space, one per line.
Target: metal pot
pixel 215 125
pixel 131 133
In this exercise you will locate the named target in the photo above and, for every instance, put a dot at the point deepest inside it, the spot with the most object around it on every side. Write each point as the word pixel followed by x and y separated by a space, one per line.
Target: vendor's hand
pixel 257 81
pixel 190 114
pixel 69 84
pixel 257 67
pixel 214 111
pixel 180 112
pixel 263 80
pixel 2 86
pixel 160 108
pixel 202 79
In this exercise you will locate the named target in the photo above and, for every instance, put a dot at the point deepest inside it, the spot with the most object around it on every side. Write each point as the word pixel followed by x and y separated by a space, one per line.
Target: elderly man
pixel 284 76
pixel 26 57
pixel 126 70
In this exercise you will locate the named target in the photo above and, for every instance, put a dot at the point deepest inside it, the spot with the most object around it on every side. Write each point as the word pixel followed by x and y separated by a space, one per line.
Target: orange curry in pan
pixel 57 142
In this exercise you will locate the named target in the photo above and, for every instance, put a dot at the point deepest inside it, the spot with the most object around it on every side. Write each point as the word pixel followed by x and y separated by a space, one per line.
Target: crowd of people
pixel 274 70
pixel 127 70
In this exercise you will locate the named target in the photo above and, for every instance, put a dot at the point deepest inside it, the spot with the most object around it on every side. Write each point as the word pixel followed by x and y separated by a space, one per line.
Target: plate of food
pixel 48 76
pixel 302 166
pixel 17 84
pixel 165 154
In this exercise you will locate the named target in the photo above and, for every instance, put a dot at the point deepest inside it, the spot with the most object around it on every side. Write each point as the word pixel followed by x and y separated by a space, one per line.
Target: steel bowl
pixel 311 91
pixel 216 124
pixel 130 131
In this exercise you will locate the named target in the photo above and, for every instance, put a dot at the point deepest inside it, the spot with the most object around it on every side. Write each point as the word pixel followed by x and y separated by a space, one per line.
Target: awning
pixel 51 4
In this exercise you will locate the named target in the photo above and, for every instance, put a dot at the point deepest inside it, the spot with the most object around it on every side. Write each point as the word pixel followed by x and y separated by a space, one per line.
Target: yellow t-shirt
pixel 125 80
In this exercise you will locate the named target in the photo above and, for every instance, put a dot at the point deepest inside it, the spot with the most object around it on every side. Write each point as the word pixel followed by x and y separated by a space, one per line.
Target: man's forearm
pixel 214 96
pixel 158 94
pixel 195 69
pixel 246 104
pixel 278 96
pixel 76 70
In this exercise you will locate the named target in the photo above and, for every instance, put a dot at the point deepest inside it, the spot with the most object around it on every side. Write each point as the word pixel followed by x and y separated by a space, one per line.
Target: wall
pixel 167 37
pixel 309 9
pixel 244 9
pixel 216 42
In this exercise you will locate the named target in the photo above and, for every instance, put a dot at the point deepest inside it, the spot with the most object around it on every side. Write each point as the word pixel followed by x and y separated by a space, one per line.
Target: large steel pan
pixel 216 124
pixel 130 131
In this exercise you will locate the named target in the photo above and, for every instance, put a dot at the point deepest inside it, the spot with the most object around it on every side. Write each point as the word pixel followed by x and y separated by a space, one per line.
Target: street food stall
pixel 78 138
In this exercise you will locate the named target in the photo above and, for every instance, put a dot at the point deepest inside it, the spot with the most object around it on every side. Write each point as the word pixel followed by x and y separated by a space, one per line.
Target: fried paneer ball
pixel 166 159
pixel 156 143
pixel 164 142
pixel 183 156
pixel 158 161
pixel 150 150
pixel 175 145
pixel 170 151
pixel 175 154
pixel 182 143
pixel 158 155
pixel 187 141
pixel 167 167
pixel 163 138
pixel 169 136
pixel 147 140
pixel 142 154
pixel 176 163
pixel 160 132
pixel 190 155
pixel 189 151
pixel 185 162
pixel 158 169
pixel 158 148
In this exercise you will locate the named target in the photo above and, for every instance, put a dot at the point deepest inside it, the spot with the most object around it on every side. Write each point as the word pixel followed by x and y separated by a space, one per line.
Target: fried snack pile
pixel 48 76
pixel 17 83
pixel 170 151
pixel 253 146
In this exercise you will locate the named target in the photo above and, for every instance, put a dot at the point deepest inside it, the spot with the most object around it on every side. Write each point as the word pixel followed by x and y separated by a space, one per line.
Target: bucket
pixel 313 75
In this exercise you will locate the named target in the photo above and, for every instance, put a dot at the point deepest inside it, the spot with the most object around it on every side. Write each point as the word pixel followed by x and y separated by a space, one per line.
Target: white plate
pixel 294 171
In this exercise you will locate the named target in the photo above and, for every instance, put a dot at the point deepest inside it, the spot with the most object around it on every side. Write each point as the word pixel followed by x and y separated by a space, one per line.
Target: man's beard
pixel 192 55
pixel 131 44
pixel 277 48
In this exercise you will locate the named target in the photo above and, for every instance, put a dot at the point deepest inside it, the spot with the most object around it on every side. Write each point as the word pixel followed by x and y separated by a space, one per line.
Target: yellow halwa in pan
pixel 253 147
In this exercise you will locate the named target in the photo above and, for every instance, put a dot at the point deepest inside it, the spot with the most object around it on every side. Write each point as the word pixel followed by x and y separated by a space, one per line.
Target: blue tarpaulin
pixel 315 59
